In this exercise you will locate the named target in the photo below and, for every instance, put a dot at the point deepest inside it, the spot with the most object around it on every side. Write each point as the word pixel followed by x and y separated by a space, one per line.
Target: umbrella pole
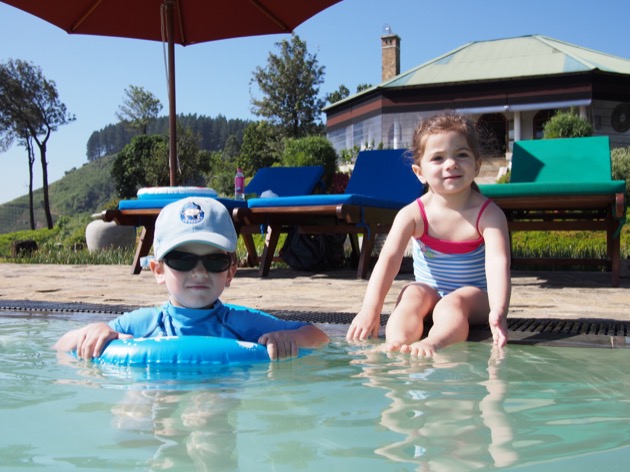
pixel 172 117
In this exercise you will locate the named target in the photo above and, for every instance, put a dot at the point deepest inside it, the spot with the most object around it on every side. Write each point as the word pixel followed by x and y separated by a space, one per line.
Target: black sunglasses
pixel 185 261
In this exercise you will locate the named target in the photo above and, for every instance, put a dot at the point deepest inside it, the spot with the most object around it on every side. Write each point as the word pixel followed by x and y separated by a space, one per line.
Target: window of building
pixel 539 121
pixel 494 134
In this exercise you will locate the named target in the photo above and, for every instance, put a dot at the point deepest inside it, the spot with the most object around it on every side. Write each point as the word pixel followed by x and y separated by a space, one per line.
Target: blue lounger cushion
pixel 331 199
pixel 382 179
pixel 155 203
pixel 286 181
pixel 152 198
pixel 283 181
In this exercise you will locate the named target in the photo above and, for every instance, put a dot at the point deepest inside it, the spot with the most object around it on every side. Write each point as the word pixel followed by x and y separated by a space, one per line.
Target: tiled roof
pixel 525 56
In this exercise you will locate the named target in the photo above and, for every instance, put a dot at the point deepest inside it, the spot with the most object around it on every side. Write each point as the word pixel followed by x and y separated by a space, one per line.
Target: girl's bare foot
pixel 423 348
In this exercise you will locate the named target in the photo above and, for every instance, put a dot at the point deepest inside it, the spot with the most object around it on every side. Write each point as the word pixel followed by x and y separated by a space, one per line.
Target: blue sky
pixel 92 72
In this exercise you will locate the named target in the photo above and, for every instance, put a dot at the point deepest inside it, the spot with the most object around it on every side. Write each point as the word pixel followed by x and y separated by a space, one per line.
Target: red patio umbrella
pixel 175 22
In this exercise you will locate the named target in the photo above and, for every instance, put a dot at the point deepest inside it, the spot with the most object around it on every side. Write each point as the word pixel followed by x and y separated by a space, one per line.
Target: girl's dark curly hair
pixel 443 123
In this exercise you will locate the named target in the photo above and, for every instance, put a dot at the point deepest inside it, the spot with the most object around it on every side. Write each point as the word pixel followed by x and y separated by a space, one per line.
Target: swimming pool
pixel 341 408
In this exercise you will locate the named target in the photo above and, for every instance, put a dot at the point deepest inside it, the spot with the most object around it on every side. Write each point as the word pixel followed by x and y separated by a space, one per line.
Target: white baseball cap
pixel 193 220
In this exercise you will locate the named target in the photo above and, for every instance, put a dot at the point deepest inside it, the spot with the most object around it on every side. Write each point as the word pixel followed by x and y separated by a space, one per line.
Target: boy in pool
pixel 194 246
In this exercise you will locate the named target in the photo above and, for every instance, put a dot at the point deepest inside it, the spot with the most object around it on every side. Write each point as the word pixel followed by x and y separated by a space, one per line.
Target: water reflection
pixel 521 405
pixel 447 422
pixel 185 414
pixel 193 429
pixel 342 408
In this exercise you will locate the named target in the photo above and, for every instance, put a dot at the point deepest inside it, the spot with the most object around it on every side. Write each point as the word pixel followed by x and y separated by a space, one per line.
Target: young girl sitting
pixel 461 250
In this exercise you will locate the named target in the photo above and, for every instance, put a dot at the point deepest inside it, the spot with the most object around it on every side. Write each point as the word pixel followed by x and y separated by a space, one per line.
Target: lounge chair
pixel 564 184
pixel 381 184
pixel 143 211
pixel 280 181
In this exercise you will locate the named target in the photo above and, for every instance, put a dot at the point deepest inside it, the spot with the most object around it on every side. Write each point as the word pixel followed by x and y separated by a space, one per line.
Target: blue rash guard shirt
pixel 225 321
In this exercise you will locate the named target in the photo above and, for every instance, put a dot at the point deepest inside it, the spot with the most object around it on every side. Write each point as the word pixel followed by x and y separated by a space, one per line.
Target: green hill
pixel 81 191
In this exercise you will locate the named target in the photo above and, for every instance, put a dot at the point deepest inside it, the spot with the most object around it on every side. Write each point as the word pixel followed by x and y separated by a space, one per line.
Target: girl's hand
pixel 499 329
pixel 363 326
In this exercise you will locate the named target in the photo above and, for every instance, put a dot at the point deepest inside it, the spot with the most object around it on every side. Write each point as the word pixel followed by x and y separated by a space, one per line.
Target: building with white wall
pixel 512 86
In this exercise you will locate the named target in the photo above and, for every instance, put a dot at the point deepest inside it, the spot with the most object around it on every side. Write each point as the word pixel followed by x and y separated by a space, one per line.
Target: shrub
pixel 339 182
pixel 349 156
pixel 262 147
pixel 504 179
pixel 221 178
pixel 40 236
pixel 311 151
pixel 566 124
pixel 621 166
pixel 140 164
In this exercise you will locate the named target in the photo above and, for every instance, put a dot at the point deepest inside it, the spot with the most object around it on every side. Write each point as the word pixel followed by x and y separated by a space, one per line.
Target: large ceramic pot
pixel 102 235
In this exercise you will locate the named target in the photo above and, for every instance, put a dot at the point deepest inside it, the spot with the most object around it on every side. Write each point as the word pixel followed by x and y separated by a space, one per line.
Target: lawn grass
pixel 57 246
pixel 565 244
pixel 53 248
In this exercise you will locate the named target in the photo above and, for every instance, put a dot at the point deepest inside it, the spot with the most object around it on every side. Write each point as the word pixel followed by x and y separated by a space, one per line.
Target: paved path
pixel 562 295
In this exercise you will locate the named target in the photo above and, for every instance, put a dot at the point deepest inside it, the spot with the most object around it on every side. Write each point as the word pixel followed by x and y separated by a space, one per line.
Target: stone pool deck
pixel 571 307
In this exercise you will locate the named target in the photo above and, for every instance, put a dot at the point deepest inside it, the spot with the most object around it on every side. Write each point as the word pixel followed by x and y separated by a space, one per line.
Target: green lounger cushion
pixel 536 189
pixel 553 167
pixel 562 160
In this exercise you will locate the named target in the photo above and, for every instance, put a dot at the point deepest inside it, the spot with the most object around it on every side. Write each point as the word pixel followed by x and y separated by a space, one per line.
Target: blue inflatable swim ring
pixel 181 350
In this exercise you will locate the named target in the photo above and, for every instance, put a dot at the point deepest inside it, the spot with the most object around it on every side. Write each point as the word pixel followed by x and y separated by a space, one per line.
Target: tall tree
pixel 30 107
pixel 8 136
pixel 139 107
pixel 338 95
pixel 343 92
pixel 290 87
pixel 144 162
pixel 27 141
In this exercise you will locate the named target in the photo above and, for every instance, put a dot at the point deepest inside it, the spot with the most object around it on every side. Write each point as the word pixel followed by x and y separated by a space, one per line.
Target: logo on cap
pixel 191 214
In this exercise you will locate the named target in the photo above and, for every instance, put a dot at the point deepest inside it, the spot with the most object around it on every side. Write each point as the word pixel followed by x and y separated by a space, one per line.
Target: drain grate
pixel 582 332
pixel 570 327
pixel 55 307
pixel 316 316
pixel 559 332
pixel 524 325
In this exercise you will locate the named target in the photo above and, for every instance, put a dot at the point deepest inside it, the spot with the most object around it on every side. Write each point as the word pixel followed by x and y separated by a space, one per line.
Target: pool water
pixel 344 407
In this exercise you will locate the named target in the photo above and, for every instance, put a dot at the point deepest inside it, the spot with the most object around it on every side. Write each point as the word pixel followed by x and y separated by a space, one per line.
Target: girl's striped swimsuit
pixel 449 265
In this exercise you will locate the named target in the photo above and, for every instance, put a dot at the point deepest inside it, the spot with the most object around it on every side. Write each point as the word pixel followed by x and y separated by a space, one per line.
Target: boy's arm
pixel 286 343
pixel 88 341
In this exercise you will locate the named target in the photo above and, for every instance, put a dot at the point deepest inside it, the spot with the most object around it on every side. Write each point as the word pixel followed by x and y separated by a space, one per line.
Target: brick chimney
pixel 390 44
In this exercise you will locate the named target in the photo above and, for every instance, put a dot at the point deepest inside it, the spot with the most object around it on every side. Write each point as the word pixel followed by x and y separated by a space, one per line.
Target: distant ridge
pixel 85 190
